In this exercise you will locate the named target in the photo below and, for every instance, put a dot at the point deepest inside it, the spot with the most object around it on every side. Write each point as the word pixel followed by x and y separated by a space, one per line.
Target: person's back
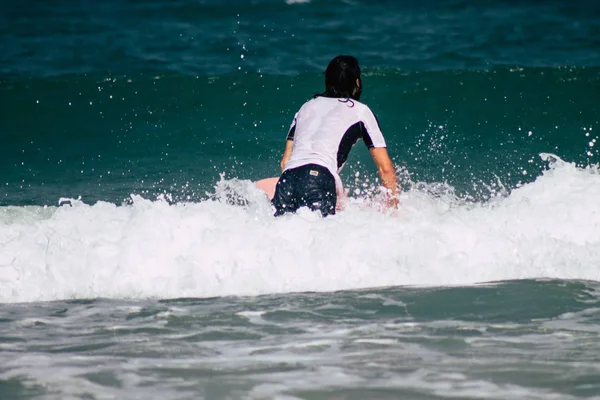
pixel 325 131
pixel 319 141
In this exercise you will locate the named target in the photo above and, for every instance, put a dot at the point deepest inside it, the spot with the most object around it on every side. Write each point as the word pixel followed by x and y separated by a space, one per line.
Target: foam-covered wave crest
pixel 231 245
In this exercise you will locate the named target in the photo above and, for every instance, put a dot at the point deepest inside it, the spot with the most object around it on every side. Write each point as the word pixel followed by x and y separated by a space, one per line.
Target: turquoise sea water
pixel 137 259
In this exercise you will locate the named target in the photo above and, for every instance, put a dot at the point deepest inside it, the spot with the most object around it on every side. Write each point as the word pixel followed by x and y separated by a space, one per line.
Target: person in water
pixel 320 139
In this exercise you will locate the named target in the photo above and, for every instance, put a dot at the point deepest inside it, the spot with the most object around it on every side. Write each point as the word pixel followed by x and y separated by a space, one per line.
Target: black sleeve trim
pixel 292 132
pixel 367 138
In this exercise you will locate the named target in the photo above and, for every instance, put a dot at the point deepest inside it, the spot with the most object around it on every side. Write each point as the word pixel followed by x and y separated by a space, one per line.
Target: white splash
pixel 546 229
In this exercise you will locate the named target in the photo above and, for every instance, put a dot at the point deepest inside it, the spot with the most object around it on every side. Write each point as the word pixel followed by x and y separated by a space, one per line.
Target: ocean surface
pixel 139 261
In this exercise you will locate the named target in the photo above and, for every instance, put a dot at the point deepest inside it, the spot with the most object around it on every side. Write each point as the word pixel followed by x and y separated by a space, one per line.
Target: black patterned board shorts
pixel 310 185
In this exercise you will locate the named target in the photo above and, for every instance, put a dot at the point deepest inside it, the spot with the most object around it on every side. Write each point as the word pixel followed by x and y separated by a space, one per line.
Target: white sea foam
pixel 548 228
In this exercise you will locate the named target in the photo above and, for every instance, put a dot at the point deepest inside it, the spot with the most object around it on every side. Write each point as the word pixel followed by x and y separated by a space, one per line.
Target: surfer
pixel 320 138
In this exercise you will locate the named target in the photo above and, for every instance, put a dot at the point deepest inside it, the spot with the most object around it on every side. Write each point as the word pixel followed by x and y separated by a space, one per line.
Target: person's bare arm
pixel 286 153
pixel 387 174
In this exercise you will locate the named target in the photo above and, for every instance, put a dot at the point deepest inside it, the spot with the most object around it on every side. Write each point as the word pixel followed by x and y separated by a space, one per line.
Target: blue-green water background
pixel 102 100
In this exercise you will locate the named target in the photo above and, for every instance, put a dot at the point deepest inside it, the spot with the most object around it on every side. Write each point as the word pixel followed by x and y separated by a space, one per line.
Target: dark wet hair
pixel 340 79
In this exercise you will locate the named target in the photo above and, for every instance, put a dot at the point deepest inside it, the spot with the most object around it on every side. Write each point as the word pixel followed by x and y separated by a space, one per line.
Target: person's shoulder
pixel 309 103
pixel 362 108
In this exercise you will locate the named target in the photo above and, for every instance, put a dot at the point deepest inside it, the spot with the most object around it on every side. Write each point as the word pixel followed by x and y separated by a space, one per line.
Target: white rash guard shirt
pixel 325 129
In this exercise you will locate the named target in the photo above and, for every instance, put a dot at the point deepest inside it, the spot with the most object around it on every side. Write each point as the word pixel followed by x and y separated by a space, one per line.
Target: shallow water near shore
pixel 529 339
